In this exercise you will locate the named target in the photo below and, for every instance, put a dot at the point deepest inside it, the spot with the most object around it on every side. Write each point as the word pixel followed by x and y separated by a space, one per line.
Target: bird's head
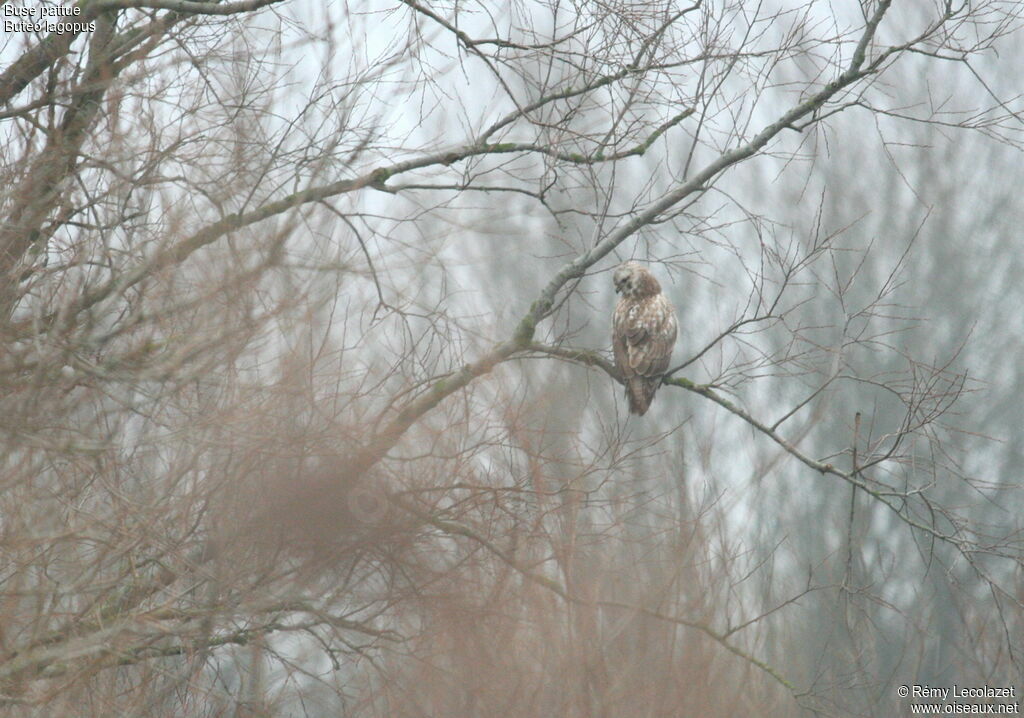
pixel 633 280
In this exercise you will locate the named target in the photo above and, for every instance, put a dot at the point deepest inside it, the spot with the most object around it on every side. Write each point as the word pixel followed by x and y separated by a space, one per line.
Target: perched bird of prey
pixel 644 331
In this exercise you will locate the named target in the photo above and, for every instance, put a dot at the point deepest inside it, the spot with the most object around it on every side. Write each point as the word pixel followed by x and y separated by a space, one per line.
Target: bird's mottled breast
pixel 649 313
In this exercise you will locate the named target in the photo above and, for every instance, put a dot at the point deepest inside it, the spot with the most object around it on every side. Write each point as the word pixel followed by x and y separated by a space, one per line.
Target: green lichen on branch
pixel 684 383
pixel 503 147
pixel 525 331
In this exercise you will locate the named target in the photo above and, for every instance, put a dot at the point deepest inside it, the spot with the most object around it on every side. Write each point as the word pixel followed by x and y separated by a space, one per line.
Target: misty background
pixel 308 406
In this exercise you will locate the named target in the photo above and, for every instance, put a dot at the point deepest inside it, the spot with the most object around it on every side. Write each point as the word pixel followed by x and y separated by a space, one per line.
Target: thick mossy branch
pixel 526 328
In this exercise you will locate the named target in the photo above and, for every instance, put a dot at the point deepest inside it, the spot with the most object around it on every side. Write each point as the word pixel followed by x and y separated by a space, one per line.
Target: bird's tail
pixel 640 393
